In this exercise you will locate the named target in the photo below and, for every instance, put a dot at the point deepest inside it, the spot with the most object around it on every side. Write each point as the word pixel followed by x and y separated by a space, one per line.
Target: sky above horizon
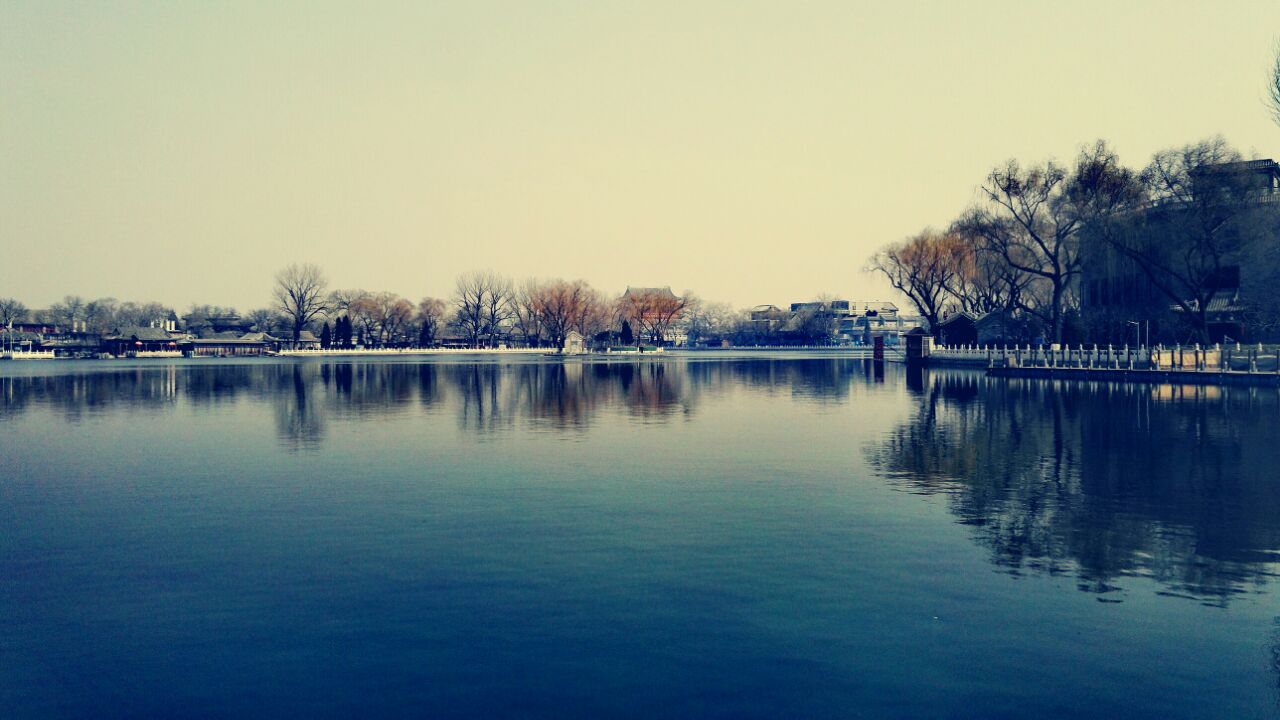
pixel 753 152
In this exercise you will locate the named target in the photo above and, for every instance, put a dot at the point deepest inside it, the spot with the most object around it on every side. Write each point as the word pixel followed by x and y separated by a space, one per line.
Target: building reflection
pixel 1083 479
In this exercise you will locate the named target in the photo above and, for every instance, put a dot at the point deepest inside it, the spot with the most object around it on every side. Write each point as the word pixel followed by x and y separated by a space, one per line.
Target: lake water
pixel 701 536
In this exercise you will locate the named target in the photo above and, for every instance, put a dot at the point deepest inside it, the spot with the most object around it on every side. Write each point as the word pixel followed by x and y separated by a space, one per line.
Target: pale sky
pixel 755 152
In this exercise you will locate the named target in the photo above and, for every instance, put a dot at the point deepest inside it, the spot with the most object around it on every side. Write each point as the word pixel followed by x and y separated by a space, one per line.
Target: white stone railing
pixel 28 355
pixel 890 349
pixel 412 351
pixel 1235 357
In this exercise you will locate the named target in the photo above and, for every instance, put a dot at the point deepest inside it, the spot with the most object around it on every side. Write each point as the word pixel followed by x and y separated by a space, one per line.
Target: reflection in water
pixel 487 397
pixel 745 527
pixel 299 421
pixel 1101 481
pixel 1091 481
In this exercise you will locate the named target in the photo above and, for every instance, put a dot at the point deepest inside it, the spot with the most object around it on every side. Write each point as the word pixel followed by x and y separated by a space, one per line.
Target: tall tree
pixel 561 307
pixel 342 332
pixel 300 293
pixel 593 313
pixel 69 313
pixel 482 306
pixel 525 317
pixel 12 311
pixel 1032 219
pixel 364 312
pixel 100 314
pixel 394 314
pixel 497 309
pixel 1190 239
pixel 431 312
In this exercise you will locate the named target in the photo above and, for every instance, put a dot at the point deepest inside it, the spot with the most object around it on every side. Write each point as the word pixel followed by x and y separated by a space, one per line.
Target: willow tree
pixel 923 267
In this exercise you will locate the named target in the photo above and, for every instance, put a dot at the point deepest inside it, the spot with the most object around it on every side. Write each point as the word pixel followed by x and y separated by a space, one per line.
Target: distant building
pixel 839 321
pixel 998 327
pixel 208 326
pixel 958 329
pixel 768 319
pixel 1115 291
pixel 230 344
pixel 306 341
pixel 650 308
pixel 574 343
pixel 1245 178
pixel 35 328
pixel 132 340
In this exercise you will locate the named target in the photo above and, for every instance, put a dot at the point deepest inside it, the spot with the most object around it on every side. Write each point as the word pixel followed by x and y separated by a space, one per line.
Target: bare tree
pixel 430 318
pixel 1190 240
pixel 197 319
pixel 497 310
pixel 364 313
pixel 393 315
pixel 468 301
pixel 983 281
pixel 265 320
pixel 1032 219
pixel 651 311
pixel 525 316
pixel 482 306
pixel 693 321
pixel 68 313
pixel 132 314
pixel 1273 87
pixel 300 294
pixel 708 321
pixel 12 311
pixel 593 313
pixel 565 306
pixel 100 314
pixel 340 300
pixel 106 313
pixel 922 267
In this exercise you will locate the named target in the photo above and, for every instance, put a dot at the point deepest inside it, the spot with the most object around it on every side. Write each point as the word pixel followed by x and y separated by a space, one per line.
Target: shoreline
pixel 1146 377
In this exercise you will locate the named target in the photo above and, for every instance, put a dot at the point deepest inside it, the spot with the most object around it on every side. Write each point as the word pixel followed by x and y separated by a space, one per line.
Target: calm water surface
pixel 698 536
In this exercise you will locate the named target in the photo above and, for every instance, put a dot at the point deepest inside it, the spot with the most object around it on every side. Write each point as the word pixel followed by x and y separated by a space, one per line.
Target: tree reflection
pixel 300 423
pixel 1101 481
pixel 487 396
